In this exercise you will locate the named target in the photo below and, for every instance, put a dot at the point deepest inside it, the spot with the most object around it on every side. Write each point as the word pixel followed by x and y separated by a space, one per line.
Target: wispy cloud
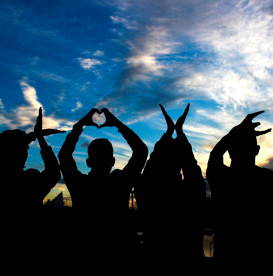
pixel 235 35
pixel 128 24
pixel 1 104
pixel 88 63
pixel 24 116
pixel 78 106
pixel 98 53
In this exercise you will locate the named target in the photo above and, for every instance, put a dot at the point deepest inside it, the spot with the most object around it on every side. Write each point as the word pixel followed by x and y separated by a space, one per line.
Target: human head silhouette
pixel 100 156
pixel 244 149
pixel 14 149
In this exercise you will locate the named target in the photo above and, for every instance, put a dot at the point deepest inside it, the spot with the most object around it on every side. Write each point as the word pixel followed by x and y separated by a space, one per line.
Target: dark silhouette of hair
pixel 100 155
pixel 244 149
pixel 14 149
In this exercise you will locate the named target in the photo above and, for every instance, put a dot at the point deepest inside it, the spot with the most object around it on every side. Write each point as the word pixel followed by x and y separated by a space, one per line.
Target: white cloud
pixel 6 121
pixel 98 53
pixel 148 50
pixel 1 104
pixel 234 69
pixel 224 86
pixel 88 63
pixel 240 79
pixel 128 24
pixel 25 115
pixel 149 63
pixel 78 106
pixel 121 146
pixel 241 41
pixel 30 96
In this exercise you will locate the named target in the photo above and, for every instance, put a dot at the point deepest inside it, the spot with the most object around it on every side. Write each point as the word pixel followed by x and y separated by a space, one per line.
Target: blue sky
pixel 129 56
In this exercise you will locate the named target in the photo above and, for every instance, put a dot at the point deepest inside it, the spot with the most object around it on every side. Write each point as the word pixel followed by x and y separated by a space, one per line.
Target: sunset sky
pixel 69 56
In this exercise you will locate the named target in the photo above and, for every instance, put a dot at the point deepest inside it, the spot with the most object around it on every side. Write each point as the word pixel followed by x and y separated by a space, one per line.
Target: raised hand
pixel 247 126
pixel 180 121
pixel 39 123
pixel 38 129
pixel 111 120
pixel 169 122
pixel 87 119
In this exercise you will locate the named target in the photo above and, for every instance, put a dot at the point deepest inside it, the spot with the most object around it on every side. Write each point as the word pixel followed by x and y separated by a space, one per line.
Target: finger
pixel 92 111
pixel 251 116
pixel 254 125
pixel 40 113
pixel 106 112
pixel 182 118
pixel 95 110
pixel 39 117
pixel 46 132
pixel 258 133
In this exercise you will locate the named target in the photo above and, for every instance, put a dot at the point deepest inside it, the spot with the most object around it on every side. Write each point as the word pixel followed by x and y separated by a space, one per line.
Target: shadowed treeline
pixel 156 208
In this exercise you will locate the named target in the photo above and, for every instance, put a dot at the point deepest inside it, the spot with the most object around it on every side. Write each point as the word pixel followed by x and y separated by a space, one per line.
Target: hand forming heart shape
pixel 99 118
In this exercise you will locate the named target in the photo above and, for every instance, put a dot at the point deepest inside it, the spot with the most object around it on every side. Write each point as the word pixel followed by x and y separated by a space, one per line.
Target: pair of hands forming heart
pixel 99 118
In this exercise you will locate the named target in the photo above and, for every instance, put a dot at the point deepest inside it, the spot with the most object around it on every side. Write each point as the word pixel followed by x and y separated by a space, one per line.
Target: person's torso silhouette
pixel 100 199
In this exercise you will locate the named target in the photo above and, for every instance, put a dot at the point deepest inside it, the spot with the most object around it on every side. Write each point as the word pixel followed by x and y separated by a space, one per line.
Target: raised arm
pixel 242 131
pixel 140 151
pixel 216 158
pixel 163 148
pixel 191 170
pixel 67 162
pixel 51 174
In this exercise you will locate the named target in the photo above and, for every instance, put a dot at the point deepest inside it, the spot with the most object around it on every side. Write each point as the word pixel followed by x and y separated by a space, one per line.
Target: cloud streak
pixel 24 116
pixel 88 63
pixel 235 74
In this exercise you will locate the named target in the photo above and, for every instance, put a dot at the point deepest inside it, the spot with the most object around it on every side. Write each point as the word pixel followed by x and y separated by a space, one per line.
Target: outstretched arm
pixel 188 162
pixel 67 162
pixel 51 175
pixel 140 151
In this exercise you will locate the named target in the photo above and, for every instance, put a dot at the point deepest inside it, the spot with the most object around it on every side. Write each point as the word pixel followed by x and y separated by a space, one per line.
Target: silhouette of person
pixel 24 225
pixel 25 189
pixel 241 194
pixel 172 205
pixel 100 199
